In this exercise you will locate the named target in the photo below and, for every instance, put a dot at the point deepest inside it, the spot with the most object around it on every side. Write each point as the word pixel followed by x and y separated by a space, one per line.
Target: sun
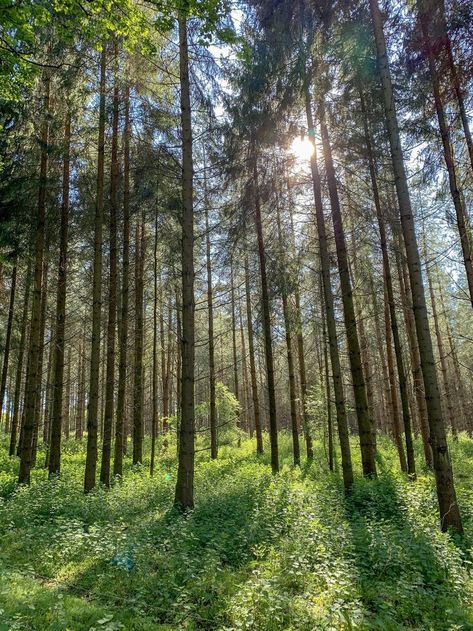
pixel 302 148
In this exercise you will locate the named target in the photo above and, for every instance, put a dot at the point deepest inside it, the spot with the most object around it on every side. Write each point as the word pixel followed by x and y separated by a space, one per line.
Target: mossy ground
pixel 263 552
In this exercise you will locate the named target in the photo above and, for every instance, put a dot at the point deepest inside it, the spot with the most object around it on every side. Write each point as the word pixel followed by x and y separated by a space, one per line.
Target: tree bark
pixel 342 423
pixel 6 354
pixel 54 465
pixel 448 507
pixel 31 386
pixel 92 407
pixel 251 351
pixel 359 387
pixel 265 303
pixel 184 495
pixel 112 289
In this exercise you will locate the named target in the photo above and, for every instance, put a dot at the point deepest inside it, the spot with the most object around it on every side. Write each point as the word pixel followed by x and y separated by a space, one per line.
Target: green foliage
pixel 228 409
pixel 259 552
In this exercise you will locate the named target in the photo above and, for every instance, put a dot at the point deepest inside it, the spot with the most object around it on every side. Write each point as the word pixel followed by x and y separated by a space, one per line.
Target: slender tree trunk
pixel 138 389
pixel 359 387
pixel 31 386
pixel 443 360
pixel 184 496
pixel 464 229
pixel 19 363
pixel 92 407
pixel 67 398
pixel 327 389
pixel 6 354
pixel 112 290
pixel 236 386
pixel 342 422
pixel 54 461
pixel 81 392
pixel 120 430
pixel 300 345
pixel 287 315
pixel 448 507
pixel 392 384
pixel 251 351
pixel 401 373
pixel 418 383
pixel 268 342
pixel 154 386
pixel 213 404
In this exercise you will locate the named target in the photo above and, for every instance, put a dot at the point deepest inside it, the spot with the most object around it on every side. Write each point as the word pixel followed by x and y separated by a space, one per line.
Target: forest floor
pixel 263 552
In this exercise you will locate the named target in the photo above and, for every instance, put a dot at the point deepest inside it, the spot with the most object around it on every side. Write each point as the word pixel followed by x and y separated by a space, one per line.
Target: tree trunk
pixel 464 228
pixel 287 315
pixel 342 422
pixel 401 373
pixel 300 344
pixel 112 290
pixel 138 389
pixel 448 507
pixel 251 351
pixel 268 342
pixel 6 354
pixel 92 407
pixel 359 388
pixel 120 442
pixel 213 404
pixel 54 462
pixel 19 363
pixel 31 386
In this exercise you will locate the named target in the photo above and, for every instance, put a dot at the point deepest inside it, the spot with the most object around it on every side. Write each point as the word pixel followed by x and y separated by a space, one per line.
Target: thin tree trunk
pixel 138 389
pixel 401 373
pixel 287 315
pixel 342 423
pixel 54 460
pixel 154 385
pixel 6 354
pixel 448 507
pixel 112 290
pixel 359 387
pixel 300 346
pixel 251 351
pixel 464 228
pixel 19 363
pixel 213 404
pixel 265 304
pixel 184 496
pixel 120 430
pixel 92 407
pixel 31 386
pixel 443 360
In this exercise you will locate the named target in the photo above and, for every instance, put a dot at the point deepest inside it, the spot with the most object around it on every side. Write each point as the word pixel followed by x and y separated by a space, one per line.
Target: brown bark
pixel 448 507
pixel 251 351
pixel 92 407
pixel 120 429
pixel 265 304
pixel 342 423
pixel 184 495
pixel 31 386
pixel 365 428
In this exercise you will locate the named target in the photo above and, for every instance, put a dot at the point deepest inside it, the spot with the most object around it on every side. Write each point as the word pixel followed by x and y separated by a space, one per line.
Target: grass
pixel 262 552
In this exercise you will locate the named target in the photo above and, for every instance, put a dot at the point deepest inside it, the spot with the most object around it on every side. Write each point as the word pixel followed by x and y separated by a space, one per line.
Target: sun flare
pixel 302 148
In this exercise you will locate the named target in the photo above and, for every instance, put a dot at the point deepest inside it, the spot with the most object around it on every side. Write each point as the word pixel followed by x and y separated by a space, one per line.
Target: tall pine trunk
pixel 342 422
pixel 112 290
pixel 93 402
pixel 33 378
pixel 54 463
pixel 265 304
pixel 448 507
pixel 184 495
pixel 354 354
